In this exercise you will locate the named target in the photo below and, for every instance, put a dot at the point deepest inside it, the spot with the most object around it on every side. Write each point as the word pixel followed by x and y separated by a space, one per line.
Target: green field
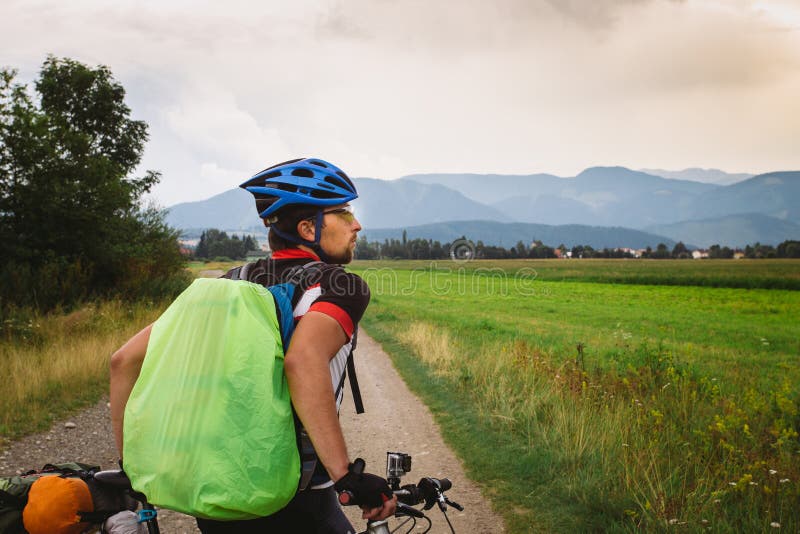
pixel 586 399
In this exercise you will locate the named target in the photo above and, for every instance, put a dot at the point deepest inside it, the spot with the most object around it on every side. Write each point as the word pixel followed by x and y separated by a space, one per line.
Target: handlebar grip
pixel 408 510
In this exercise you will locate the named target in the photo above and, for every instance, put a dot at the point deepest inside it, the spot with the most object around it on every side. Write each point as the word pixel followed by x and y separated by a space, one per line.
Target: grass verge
pixel 59 362
pixel 653 445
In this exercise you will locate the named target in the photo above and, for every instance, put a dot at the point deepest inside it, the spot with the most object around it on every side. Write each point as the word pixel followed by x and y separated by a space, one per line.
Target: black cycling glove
pixel 357 487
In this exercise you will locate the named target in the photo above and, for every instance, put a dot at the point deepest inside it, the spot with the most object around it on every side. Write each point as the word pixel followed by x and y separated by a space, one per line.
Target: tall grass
pixel 58 362
pixel 650 447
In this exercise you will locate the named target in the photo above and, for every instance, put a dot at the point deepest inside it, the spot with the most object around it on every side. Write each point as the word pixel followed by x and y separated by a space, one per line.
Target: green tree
pixel 680 252
pixel 71 218
pixel 788 249
pixel 660 253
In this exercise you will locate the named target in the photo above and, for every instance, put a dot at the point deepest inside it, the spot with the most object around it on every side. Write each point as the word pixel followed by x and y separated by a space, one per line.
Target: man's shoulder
pixel 335 280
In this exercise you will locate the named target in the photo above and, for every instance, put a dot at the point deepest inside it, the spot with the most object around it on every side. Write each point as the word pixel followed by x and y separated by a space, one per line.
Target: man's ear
pixel 305 229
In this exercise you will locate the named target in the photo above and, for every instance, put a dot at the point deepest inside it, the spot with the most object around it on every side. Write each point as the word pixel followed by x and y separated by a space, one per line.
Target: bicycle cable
pixel 404 523
pixel 448 522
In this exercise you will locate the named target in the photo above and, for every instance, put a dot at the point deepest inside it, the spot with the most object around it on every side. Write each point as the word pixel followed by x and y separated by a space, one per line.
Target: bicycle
pixel 430 491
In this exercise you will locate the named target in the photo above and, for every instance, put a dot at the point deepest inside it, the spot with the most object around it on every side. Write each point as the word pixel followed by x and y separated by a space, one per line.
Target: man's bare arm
pixel 126 364
pixel 317 339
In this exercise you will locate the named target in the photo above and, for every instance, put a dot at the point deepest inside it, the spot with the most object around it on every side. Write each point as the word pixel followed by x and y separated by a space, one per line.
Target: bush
pixel 71 218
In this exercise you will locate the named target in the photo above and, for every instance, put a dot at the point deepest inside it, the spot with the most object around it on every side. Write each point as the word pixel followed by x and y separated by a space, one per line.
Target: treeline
pixel 72 220
pixel 215 244
pixel 463 248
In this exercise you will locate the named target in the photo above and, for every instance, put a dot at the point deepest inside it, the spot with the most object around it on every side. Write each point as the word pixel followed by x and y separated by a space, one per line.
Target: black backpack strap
pixel 12 501
pixel 302 275
pixel 241 272
pixel 351 375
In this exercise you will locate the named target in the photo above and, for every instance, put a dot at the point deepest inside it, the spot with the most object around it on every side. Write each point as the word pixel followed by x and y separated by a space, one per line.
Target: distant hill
pixel 731 230
pixel 231 210
pixel 493 188
pixel 611 197
pixel 709 176
pixel 385 203
pixel 508 234
pixel 776 194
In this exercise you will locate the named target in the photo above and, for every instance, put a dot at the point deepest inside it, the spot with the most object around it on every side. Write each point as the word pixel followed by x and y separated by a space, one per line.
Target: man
pixel 305 204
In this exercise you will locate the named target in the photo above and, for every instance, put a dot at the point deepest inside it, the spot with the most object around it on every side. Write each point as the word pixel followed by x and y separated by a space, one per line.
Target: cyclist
pixel 305 205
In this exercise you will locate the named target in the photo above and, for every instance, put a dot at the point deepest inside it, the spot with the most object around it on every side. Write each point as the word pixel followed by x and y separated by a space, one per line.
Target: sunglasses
pixel 346 213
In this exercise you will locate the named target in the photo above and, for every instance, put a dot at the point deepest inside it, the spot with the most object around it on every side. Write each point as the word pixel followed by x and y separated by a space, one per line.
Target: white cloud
pixel 387 88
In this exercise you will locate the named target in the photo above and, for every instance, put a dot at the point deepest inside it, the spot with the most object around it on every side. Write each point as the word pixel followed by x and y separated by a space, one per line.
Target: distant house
pixel 699 254
pixel 738 255
pixel 253 255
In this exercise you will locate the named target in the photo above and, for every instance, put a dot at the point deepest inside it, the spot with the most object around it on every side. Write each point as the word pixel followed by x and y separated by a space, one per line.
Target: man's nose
pixel 356 224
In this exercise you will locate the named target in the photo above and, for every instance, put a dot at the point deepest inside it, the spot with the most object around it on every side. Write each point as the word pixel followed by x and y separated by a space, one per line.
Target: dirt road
pixel 395 420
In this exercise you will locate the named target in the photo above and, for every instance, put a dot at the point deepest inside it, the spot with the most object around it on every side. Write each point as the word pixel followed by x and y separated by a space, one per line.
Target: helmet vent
pixel 304 173
pixel 326 186
pixel 318 163
pixel 323 194
pixel 334 181
pixel 346 179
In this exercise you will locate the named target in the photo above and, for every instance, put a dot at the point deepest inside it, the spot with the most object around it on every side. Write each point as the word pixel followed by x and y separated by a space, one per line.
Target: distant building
pixel 253 255
pixel 699 254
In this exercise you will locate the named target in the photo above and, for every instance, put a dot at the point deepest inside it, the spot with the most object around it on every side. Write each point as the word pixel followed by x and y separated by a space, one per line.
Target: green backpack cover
pixel 209 429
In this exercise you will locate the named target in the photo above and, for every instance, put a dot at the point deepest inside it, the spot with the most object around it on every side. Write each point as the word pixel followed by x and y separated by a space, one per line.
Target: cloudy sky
pixel 386 88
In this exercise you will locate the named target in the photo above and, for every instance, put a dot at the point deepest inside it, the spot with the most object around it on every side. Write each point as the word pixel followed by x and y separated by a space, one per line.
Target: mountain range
pixel 763 208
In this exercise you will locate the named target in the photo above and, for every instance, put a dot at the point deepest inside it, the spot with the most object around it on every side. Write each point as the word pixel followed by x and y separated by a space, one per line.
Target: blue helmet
pixel 308 182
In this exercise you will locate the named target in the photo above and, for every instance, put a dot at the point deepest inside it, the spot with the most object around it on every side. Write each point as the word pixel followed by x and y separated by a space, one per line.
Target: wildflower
pixel 717 501
pixel 732 483
pixel 673 521
pixel 665 386
pixel 753 483
pixel 704 521
pixel 783 481
pixel 772 471
pixel 624 444
pixel 775 524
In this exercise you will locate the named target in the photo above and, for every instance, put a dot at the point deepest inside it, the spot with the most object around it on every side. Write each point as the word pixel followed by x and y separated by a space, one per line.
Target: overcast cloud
pixel 386 88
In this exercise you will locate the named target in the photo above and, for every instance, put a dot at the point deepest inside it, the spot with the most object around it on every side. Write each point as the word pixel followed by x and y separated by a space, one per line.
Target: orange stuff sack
pixel 54 506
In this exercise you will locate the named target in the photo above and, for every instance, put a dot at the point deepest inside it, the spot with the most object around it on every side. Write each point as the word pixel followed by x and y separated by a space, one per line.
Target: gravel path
pixel 395 420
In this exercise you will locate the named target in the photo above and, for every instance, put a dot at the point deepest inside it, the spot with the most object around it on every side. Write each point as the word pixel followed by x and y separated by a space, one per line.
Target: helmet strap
pixel 313 245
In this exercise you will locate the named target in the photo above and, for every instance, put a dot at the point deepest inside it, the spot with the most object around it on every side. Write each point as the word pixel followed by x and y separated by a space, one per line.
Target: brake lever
pixel 454 504
pixel 404 509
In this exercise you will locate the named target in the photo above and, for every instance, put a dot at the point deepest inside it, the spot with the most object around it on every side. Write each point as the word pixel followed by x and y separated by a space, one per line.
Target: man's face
pixel 339 233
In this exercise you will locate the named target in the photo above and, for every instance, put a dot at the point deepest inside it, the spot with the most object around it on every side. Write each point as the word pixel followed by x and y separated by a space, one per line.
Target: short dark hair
pixel 288 219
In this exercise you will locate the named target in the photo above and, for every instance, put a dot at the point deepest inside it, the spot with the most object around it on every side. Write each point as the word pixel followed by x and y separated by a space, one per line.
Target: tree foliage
pixel 216 244
pixel 72 220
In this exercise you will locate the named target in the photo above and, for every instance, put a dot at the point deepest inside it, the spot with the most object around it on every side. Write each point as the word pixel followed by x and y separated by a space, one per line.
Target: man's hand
pixel 387 509
pixel 371 492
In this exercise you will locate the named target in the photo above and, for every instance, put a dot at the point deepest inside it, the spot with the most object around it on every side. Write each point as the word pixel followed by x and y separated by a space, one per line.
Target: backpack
pixel 209 428
pixel 58 499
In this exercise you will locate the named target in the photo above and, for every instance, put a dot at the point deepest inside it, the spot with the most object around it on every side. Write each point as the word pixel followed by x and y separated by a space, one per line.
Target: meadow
pixel 585 400
pixel 591 395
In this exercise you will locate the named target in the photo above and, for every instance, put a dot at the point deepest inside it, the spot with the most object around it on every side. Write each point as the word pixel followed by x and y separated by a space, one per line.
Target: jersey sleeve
pixel 344 297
